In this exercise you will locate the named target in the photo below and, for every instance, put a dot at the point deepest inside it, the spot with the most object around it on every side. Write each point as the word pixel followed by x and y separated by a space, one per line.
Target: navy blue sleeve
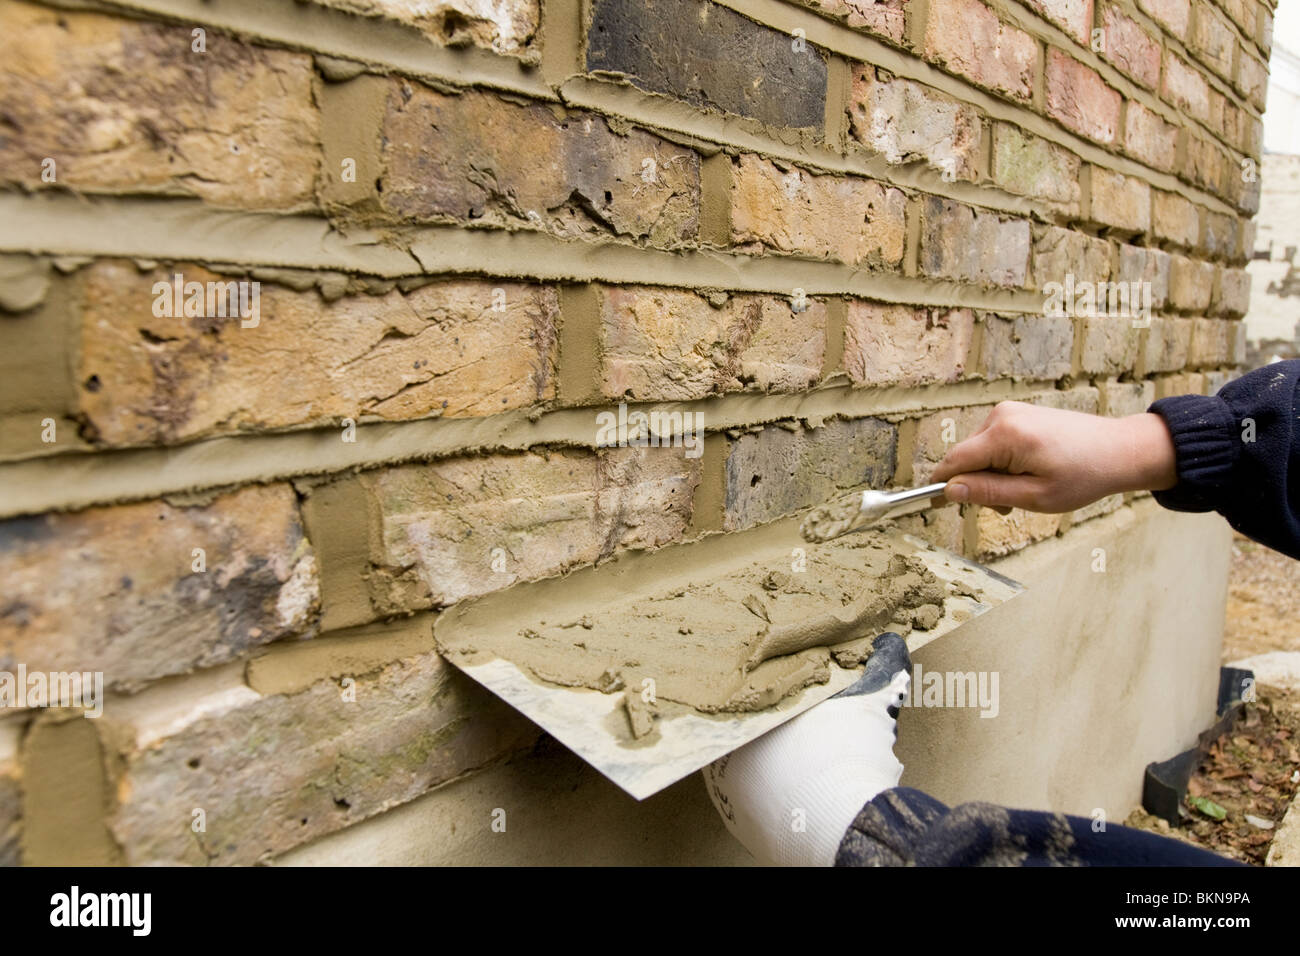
pixel 1237 453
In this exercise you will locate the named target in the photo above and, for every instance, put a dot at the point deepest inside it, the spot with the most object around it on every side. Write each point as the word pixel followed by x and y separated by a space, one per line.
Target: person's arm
pixel 1237 451
pixel 1232 453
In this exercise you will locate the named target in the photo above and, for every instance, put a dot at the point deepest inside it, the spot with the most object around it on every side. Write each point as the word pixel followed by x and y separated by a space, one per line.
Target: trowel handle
pixel 894 498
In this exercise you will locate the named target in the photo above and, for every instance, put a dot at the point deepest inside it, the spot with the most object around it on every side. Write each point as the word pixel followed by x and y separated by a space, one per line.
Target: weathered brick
pixel 1252 80
pixel 1242 13
pixel 1029 165
pixel 474 157
pixel 776 471
pixel 1220 239
pixel 1110 345
pixel 1264 34
pixel 1212 341
pixel 714 52
pixel 884 18
pixel 1233 294
pixel 1120 202
pixel 1241 184
pixel 938 432
pixel 1175 219
pixel 1212 40
pixel 1129 48
pixel 1190 284
pixel 905 346
pixel 1148 138
pixel 1028 347
pixel 124 590
pixel 1078 399
pixel 435 529
pixel 1239 345
pixel 1058 252
pixel 11 809
pixel 847 218
pixel 1173 15
pixel 455 349
pixel 1246 240
pixel 125 105
pixel 1167 345
pixel 1072 16
pixel 1079 98
pixel 1185 88
pixel 665 344
pixel 272 772
pixel 508 27
pixel 1119 399
pixel 1206 164
pixel 907 122
pixel 998 535
pixel 1138 264
pixel 959 242
pixel 967 38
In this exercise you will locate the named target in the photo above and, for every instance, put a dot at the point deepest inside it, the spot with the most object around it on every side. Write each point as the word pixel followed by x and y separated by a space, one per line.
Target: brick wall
pixel 829 226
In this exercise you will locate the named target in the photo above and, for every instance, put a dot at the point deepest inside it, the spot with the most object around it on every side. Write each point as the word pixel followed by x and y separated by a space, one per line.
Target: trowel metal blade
pixel 686 740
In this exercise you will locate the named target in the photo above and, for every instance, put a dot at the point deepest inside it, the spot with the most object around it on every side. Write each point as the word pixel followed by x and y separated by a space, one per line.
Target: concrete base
pixel 1100 671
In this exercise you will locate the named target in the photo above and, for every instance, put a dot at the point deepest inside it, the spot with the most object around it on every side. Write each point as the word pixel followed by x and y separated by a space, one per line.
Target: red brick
pixel 966 37
pixel 398 356
pixel 969 245
pixel 572 176
pixel 124 105
pixel 1173 15
pixel 1129 47
pixel 1072 16
pixel 846 218
pixel 882 17
pixel 1148 138
pixel 1080 99
pixel 905 346
pixel 122 590
pixel 665 344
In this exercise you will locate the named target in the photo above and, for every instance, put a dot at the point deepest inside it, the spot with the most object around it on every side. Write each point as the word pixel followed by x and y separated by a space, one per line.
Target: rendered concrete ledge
pixel 1099 673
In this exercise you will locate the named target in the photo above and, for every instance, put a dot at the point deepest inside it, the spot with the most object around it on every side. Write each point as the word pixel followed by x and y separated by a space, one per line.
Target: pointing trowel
pixel 599 657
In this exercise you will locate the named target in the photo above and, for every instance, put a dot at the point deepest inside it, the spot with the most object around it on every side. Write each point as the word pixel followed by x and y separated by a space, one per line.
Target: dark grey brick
pixel 711 57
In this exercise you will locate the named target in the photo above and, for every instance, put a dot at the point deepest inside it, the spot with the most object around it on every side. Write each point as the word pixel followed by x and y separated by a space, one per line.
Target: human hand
pixel 1051 460
pixel 790 795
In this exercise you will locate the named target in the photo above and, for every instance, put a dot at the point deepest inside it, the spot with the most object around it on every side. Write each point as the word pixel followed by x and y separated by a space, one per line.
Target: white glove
pixel 790 795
